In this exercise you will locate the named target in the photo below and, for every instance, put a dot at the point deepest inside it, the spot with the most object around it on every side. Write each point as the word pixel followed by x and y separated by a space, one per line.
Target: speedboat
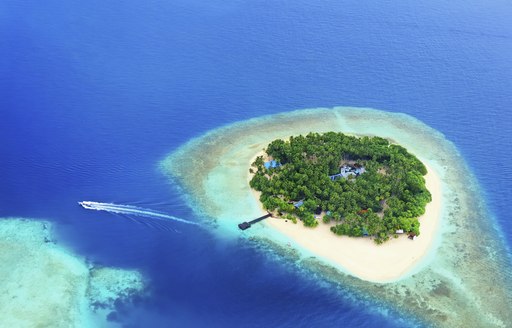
pixel 87 204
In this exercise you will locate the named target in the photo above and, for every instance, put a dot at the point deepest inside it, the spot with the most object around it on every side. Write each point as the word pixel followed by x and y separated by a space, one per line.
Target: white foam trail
pixel 130 210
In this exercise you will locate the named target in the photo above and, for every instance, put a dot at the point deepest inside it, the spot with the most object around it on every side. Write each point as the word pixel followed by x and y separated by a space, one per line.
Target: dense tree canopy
pixel 388 196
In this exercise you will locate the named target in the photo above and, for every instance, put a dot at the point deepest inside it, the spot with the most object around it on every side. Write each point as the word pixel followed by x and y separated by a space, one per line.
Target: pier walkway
pixel 247 225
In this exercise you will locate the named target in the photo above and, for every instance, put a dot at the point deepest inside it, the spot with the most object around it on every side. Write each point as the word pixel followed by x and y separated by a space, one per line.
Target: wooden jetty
pixel 247 225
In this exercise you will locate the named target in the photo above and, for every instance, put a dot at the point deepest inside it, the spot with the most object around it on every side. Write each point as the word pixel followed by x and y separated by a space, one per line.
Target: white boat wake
pixel 130 210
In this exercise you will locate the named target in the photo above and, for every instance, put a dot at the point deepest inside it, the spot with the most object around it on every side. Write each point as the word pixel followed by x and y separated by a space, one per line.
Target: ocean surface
pixel 93 95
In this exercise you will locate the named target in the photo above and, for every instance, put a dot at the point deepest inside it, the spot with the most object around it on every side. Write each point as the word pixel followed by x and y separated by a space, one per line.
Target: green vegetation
pixel 388 196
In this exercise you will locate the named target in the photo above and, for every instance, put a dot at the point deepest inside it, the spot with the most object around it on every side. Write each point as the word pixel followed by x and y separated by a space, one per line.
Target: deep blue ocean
pixel 93 94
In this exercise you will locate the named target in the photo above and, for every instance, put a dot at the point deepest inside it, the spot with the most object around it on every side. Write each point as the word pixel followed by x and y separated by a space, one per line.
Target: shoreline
pixel 360 256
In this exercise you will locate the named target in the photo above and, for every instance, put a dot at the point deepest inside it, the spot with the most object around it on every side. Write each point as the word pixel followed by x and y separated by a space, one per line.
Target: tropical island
pixel 365 186
pixel 438 277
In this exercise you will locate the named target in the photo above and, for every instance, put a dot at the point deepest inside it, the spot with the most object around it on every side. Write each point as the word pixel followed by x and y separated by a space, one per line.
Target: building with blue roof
pixel 271 164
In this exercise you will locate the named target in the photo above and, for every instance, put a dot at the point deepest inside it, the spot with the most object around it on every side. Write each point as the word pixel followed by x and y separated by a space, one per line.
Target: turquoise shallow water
pixel 94 95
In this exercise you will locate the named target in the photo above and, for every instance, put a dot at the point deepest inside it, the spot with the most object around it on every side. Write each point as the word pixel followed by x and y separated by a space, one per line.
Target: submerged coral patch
pixel 45 285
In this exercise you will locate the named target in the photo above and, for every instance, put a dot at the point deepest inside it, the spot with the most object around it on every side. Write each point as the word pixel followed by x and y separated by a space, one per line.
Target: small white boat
pixel 87 204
